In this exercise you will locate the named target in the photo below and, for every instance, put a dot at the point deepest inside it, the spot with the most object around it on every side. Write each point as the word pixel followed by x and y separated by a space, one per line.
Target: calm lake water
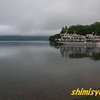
pixel 42 71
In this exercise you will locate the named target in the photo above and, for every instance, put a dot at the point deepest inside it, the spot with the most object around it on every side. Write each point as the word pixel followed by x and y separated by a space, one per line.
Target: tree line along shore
pixel 79 29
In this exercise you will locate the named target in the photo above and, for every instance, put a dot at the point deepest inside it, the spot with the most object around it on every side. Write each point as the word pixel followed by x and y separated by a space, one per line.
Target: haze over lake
pixel 42 71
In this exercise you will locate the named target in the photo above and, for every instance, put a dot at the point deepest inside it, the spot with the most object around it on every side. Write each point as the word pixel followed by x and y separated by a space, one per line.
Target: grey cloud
pixel 45 16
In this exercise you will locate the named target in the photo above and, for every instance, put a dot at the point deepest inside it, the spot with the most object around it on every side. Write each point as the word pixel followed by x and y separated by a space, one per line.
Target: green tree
pixel 63 30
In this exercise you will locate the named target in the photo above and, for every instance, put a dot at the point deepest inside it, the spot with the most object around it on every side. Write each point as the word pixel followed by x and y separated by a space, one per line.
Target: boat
pixel 76 39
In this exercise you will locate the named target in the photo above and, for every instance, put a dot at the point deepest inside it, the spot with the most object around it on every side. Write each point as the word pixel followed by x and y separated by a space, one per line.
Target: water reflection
pixel 36 71
pixel 67 51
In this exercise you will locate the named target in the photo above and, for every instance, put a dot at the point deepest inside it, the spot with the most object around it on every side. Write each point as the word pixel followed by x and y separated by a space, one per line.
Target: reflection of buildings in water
pixel 79 52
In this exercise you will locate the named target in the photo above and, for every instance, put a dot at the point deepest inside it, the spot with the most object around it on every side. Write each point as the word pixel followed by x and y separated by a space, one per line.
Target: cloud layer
pixel 45 17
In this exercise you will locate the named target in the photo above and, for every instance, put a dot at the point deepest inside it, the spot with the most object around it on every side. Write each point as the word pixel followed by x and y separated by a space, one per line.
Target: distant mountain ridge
pixel 23 38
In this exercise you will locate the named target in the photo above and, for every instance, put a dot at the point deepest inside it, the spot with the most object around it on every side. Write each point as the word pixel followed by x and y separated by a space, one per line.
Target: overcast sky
pixel 45 17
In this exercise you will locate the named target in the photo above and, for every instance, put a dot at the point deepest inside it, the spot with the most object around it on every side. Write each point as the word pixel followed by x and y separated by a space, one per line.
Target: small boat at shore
pixel 76 39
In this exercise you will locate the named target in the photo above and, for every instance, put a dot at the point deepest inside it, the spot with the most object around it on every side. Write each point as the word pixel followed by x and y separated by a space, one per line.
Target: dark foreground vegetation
pixel 79 29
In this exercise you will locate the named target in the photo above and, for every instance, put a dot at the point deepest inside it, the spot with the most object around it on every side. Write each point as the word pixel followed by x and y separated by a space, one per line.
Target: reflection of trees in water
pixel 80 52
pixel 53 44
pixel 96 56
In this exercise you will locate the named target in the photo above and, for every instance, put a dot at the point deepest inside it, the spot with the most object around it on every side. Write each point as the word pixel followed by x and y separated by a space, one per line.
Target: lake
pixel 42 71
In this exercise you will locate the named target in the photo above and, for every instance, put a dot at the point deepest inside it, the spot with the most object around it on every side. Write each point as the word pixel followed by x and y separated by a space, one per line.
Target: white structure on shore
pixel 75 38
